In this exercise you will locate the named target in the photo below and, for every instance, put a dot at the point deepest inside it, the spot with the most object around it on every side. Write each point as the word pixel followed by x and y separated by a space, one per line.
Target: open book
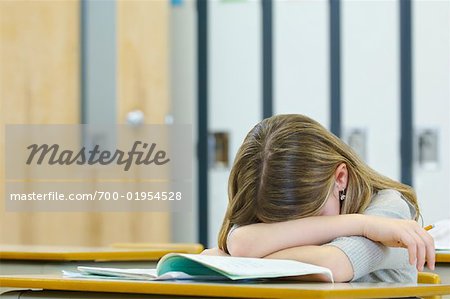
pixel 205 267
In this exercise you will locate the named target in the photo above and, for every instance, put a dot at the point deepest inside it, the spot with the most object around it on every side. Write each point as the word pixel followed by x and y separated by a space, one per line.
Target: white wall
pixel 301 58
pixel 431 92
pixel 234 89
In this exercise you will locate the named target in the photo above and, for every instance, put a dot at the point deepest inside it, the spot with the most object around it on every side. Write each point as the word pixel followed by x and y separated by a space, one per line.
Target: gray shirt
pixel 372 261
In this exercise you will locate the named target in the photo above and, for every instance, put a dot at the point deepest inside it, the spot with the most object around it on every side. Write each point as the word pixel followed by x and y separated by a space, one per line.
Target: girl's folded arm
pixel 387 221
pixel 326 256
pixel 261 239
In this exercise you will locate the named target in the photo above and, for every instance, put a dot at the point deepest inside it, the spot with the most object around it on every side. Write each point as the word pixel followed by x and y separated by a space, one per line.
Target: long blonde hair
pixel 285 169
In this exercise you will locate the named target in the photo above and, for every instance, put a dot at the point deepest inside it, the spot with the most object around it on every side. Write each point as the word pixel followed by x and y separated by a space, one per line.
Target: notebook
pixel 205 267
pixel 441 235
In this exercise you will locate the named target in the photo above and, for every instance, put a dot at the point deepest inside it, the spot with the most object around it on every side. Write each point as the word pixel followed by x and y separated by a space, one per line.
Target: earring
pixel 342 194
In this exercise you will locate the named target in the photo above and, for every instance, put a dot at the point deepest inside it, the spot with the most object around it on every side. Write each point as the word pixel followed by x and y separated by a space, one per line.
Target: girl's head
pixel 291 167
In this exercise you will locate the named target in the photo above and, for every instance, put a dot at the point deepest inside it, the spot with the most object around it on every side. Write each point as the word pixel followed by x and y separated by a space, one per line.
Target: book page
pixel 195 266
pixel 119 272
pixel 246 268
pixel 131 274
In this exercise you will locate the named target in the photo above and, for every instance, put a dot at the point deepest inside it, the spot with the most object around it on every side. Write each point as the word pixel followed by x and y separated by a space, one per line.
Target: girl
pixel 298 192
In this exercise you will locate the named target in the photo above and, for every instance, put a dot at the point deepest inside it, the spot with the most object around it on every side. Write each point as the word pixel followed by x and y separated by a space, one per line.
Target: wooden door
pixel 40 84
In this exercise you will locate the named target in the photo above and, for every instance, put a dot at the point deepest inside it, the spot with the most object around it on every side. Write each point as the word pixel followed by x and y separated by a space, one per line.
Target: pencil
pixel 428 227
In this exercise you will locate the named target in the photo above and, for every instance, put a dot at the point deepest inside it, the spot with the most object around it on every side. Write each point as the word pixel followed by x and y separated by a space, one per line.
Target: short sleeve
pixel 229 233
pixel 372 261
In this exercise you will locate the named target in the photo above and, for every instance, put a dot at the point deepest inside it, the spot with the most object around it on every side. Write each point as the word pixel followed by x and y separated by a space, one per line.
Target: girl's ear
pixel 341 176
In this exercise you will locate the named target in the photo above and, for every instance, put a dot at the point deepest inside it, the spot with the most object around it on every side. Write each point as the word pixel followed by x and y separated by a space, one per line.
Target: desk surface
pixel 65 253
pixel 443 257
pixel 227 289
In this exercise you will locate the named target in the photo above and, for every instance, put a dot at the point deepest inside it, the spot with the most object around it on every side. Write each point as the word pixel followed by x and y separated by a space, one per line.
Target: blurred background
pixel 376 73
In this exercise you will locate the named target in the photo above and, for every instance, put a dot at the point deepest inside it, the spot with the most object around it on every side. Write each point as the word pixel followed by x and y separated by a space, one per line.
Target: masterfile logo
pixel 52 155
pixel 98 167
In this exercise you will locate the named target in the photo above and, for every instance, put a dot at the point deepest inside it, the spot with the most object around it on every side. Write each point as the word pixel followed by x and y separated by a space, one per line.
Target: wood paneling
pixel 40 84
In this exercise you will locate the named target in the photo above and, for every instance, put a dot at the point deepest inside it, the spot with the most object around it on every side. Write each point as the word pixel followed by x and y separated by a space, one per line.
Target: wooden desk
pixel 52 259
pixel 189 247
pixel 106 288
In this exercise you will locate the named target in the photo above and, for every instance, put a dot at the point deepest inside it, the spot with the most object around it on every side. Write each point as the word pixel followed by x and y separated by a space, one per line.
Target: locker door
pixel 370 82
pixel 234 89
pixel 431 94
pixel 301 49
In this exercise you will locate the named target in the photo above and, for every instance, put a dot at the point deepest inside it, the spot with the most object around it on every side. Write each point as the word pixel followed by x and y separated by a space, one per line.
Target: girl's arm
pixel 262 239
pixel 259 240
pixel 326 256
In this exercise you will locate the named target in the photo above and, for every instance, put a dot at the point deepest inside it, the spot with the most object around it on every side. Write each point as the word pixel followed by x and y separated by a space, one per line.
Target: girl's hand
pixel 214 251
pixel 402 233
